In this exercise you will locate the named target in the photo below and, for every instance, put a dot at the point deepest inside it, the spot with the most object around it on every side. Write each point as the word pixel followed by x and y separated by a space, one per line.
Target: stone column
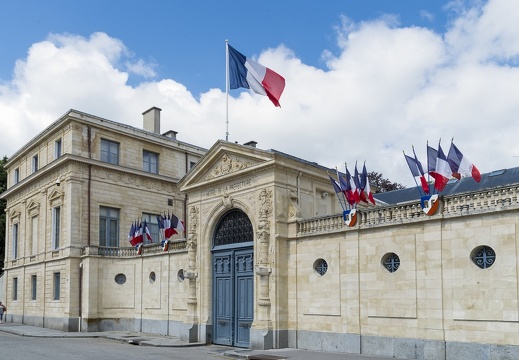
pixel 191 274
pixel 261 333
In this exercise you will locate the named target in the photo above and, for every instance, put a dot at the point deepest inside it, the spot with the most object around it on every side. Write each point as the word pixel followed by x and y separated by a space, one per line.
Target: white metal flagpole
pixel 227 89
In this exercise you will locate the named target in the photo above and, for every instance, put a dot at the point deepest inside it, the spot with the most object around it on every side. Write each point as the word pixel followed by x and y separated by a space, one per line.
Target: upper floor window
pixel 109 151
pixel 153 226
pixel 15 241
pixel 56 226
pixel 150 162
pixel 108 227
pixel 34 238
pixel 35 163
pixel 16 176
pixel 192 164
pixel 57 149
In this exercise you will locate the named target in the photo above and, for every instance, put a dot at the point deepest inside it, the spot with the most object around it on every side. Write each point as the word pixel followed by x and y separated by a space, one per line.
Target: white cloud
pixel 388 89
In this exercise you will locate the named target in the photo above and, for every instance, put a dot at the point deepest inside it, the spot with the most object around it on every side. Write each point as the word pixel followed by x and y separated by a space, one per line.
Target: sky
pixel 366 80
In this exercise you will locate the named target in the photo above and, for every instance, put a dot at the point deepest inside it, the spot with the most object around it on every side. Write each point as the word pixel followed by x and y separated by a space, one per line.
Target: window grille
pixel 391 262
pixel 483 256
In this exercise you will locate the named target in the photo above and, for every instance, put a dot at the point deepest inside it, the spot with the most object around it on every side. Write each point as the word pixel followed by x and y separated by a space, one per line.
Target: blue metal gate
pixel 233 280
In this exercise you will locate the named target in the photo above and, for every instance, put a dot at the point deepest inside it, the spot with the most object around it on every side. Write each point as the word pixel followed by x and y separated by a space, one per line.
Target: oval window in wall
pixel 483 256
pixel 321 266
pixel 120 278
pixel 391 262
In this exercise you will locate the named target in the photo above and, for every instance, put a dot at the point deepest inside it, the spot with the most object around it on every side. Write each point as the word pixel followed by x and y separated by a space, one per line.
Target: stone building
pixel 267 260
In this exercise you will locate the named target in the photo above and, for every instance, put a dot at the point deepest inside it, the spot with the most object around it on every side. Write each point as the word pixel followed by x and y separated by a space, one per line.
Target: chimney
pixel 251 143
pixel 172 134
pixel 151 120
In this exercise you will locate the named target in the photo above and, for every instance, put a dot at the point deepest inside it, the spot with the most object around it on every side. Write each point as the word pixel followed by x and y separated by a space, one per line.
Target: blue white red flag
pixel 353 185
pixel 443 171
pixel 360 188
pixel 460 165
pixel 366 185
pixel 248 74
pixel 417 170
pixel 137 235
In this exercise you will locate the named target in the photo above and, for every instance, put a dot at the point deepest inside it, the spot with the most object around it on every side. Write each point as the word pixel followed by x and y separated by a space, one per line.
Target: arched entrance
pixel 233 280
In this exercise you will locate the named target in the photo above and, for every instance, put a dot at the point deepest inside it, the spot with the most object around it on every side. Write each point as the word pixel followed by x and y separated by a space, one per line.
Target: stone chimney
pixel 172 134
pixel 151 120
pixel 251 143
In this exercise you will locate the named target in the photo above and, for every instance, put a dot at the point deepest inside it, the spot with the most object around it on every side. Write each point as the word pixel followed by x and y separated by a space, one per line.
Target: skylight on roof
pixel 497 172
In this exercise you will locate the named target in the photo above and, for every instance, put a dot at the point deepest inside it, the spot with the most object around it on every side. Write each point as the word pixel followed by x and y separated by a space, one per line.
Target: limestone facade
pixel 318 284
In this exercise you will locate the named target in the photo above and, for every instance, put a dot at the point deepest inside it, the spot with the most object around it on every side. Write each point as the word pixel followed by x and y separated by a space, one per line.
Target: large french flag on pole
pixel 248 74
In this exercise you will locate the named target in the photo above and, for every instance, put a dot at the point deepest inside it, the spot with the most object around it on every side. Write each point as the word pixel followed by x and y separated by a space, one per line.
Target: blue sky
pixel 185 39
pixel 366 79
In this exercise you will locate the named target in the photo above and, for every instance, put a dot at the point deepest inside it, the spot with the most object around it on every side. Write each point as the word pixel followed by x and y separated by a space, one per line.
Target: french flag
pixel 443 171
pixel 460 165
pixel 248 74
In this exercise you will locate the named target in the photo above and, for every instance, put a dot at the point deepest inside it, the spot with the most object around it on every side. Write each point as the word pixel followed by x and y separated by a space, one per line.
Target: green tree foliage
pixel 3 187
pixel 382 184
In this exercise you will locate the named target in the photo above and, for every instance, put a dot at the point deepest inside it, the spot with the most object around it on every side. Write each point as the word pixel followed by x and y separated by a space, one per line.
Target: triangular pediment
pixel 225 160
pixel 55 197
pixel 33 207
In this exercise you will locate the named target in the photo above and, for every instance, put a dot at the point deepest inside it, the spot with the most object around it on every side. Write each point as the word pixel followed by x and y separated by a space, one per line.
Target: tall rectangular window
pixel 108 227
pixel 34 237
pixel 109 151
pixel 150 162
pixel 16 176
pixel 15 241
pixel 34 284
pixel 15 288
pixel 35 163
pixel 56 286
pixel 56 227
pixel 57 149
pixel 153 226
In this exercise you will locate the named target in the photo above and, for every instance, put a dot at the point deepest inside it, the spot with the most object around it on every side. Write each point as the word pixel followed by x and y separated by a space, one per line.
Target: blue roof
pixel 494 179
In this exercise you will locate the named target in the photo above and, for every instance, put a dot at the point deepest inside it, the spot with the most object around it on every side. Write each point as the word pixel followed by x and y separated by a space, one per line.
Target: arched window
pixel 234 227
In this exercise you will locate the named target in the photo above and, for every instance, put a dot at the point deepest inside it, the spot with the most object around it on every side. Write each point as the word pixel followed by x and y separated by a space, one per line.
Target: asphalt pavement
pixel 143 339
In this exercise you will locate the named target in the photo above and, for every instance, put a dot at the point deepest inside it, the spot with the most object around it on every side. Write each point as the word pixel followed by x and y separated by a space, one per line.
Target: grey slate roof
pixel 490 180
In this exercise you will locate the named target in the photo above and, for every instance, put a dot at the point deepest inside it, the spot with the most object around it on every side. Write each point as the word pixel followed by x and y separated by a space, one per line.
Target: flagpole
pixel 227 90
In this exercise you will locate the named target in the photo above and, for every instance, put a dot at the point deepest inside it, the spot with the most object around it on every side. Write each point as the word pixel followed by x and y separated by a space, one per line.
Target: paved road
pixel 18 341
pixel 15 347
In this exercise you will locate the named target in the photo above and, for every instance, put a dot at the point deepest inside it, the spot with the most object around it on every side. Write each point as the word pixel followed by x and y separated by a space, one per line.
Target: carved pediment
pixel 33 208
pixel 228 164
pixel 56 198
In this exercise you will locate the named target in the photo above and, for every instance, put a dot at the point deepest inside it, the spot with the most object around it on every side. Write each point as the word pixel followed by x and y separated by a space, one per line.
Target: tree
pixel 3 204
pixel 382 184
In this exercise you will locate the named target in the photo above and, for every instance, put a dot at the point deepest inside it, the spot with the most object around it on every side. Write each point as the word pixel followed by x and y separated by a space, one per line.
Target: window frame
pixel 16 176
pixel 107 153
pixel 147 164
pixel 35 163
pixel 56 285
pixel 15 288
pixel 109 239
pixel 58 148
pixel 153 226
pixel 56 227
pixel 34 234
pixel 14 240
pixel 34 287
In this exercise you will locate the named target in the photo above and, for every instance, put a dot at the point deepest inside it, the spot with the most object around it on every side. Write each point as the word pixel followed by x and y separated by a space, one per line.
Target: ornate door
pixel 233 281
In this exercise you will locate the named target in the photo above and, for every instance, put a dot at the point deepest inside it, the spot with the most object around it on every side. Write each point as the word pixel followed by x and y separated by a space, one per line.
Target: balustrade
pixel 454 205
pixel 155 248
